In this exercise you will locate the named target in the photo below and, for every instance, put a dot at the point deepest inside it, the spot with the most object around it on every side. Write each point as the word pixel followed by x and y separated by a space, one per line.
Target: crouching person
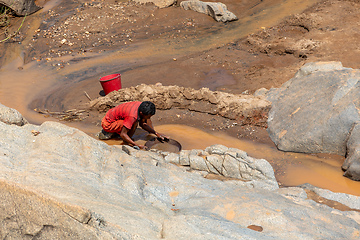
pixel 125 118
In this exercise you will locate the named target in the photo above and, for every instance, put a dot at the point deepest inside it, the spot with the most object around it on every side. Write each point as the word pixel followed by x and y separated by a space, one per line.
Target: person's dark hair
pixel 147 108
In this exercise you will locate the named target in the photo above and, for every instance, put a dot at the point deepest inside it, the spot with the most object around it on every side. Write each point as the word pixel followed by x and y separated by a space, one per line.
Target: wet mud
pixel 185 49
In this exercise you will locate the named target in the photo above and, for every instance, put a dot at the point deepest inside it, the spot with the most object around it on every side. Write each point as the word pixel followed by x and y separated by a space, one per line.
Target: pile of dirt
pixel 245 109
pixel 237 115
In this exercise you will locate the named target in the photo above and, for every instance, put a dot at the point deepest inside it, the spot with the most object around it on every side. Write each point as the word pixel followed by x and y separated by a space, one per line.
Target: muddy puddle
pixel 320 170
pixel 42 84
pixel 291 169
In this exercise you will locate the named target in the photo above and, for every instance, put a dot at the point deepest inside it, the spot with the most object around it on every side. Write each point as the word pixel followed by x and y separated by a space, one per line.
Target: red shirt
pixel 128 112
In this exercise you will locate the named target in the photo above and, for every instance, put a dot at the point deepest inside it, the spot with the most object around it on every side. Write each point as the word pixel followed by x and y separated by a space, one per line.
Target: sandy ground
pixel 326 31
pixel 176 47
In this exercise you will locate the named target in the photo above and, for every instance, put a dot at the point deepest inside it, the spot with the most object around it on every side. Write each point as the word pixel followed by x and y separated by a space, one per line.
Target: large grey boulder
pixel 351 165
pixel 21 7
pixel 315 111
pixel 116 192
pixel 216 10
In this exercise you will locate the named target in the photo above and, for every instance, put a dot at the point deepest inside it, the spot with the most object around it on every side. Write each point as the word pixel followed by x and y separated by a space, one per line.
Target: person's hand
pixel 161 136
pixel 138 147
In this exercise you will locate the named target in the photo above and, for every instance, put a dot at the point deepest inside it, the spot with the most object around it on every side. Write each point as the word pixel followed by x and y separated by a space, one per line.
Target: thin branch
pixel 16 32
pixel 87 95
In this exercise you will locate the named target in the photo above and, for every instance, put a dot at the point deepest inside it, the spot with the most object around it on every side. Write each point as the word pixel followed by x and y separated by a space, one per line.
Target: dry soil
pixel 326 31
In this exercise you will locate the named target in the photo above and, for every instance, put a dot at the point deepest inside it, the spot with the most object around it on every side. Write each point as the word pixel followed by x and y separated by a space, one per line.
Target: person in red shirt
pixel 124 119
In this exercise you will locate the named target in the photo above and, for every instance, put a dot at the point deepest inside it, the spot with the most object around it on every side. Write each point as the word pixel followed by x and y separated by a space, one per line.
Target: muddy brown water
pixel 23 86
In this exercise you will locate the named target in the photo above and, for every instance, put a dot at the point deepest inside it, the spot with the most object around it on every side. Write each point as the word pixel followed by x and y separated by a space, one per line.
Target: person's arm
pixel 148 126
pixel 124 135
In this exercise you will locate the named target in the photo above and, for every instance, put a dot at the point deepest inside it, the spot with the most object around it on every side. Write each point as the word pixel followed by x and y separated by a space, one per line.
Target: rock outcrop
pixel 11 116
pixel 86 189
pixel 158 3
pixel 216 10
pixel 21 7
pixel 315 112
pixel 351 165
pixel 26 214
pixel 220 160
pixel 246 109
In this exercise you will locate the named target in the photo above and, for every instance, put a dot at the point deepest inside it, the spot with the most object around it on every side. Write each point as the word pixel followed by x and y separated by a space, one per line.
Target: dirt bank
pixel 326 31
pixel 208 110
pixel 77 42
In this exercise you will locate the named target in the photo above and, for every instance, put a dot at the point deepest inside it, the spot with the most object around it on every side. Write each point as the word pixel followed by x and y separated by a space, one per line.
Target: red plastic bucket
pixel 111 83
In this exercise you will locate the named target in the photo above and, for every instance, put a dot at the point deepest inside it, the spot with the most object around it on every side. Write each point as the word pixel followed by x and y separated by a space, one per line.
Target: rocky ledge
pixel 58 182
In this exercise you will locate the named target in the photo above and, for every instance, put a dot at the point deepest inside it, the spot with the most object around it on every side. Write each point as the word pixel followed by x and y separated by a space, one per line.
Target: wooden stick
pixel 87 95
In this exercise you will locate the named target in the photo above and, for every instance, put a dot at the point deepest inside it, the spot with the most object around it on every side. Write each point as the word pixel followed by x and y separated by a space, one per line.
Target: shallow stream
pixel 21 84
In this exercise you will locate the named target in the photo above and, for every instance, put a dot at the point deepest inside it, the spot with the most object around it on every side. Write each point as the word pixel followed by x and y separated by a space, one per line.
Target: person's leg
pixel 109 129
pixel 104 135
